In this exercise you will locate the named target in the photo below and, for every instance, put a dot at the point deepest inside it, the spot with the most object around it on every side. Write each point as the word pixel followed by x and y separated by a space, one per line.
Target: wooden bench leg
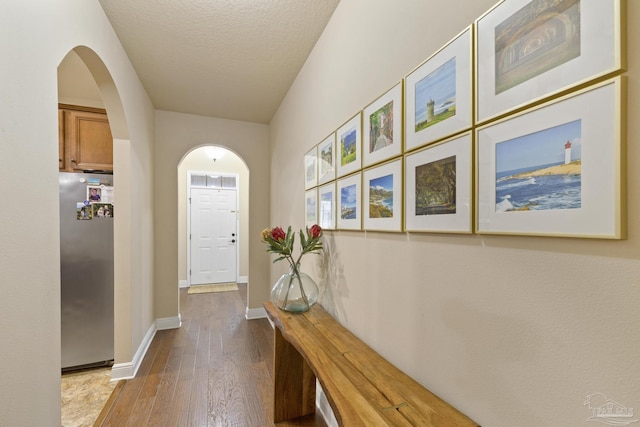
pixel 294 393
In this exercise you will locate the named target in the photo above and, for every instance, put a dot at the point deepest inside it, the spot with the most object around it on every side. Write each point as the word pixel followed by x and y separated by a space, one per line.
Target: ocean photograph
pixel 348 202
pixel 348 147
pixel 326 209
pixel 540 171
pixel 381 197
pixel 435 98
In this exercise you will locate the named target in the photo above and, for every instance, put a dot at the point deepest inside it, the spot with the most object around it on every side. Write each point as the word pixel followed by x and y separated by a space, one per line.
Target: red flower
pixel 278 234
pixel 315 231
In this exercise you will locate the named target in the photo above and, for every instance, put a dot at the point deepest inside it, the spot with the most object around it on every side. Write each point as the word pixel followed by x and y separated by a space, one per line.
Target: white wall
pixel 36 36
pixel 513 331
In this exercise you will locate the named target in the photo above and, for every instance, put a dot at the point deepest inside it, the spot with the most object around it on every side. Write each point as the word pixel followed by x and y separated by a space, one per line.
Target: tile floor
pixel 84 394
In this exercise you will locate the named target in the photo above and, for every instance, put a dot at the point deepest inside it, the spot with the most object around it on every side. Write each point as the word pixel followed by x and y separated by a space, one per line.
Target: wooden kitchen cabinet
pixel 61 163
pixel 85 139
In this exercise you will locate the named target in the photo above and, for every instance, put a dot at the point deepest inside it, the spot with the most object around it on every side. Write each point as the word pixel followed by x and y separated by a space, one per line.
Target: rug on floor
pixel 216 287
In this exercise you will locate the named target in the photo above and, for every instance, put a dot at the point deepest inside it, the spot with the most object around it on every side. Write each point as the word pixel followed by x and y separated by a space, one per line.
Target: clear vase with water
pixel 294 291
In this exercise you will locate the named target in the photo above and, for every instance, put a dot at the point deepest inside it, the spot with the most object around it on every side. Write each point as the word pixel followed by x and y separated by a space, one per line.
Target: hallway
pixel 216 370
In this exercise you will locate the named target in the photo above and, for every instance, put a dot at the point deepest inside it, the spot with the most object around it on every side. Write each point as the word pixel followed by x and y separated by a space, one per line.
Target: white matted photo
pixel 311 207
pixel 382 127
pixel 349 140
pixel 438 94
pixel 555 170
pixel 438 187
pixel 311 168
pixel 327 206
pixel 527 50
pixel 327 159
pixel 382 197
pixel 349 196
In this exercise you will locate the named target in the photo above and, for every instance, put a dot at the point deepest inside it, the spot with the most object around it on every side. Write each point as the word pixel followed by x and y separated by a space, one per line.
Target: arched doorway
pixel 84 80
pixel 200 162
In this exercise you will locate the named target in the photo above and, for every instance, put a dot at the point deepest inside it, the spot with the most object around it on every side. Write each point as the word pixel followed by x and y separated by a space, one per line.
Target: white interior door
pixel 213 236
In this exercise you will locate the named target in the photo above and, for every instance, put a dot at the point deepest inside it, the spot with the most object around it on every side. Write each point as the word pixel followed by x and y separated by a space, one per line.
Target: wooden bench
pixel 362 387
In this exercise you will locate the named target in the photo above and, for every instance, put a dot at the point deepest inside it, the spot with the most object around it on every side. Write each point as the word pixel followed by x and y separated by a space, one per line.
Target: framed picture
pixel 438 94
pixel 349 196
pixel 555 170
pixel 382 128
pixel 94 193
pixel 327 159
pixel 382 197
pixel 527 50
pixel 349 140
pixel 311 207
pixel 438 187
pixel 327 206
pixel 311 168
pixel 102 210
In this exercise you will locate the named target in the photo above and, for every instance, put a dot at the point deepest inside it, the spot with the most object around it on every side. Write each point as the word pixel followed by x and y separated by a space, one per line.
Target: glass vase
pixel 294 291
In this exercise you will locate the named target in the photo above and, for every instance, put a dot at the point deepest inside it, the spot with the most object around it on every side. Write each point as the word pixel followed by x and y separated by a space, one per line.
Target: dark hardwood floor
pixel 216 370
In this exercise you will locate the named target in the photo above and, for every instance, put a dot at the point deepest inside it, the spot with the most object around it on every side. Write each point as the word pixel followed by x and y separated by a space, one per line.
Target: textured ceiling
pixel 231 59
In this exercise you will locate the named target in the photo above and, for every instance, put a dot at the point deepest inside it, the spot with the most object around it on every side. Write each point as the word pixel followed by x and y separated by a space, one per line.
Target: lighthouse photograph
pixel 436 96
pixel 540 171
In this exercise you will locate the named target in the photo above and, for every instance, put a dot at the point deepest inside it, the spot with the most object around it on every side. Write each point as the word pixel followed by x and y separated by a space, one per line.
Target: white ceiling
pixel 231 59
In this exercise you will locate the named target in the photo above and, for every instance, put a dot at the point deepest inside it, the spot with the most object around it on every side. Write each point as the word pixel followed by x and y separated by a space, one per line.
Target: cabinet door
pixel 61 151
pixel 89 141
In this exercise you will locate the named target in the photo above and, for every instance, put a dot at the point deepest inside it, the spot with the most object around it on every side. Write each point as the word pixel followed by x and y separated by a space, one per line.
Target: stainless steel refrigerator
pixel 86 269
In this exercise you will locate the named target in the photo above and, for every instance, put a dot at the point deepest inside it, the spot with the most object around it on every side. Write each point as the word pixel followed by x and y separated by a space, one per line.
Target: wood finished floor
pixel 216 370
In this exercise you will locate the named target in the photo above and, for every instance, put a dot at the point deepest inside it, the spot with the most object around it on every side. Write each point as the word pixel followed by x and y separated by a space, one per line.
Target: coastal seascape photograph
pixel 540 171
pixel 348 202
pixel 381 197
pixel 349 215
pixel 326 208
pixel 435 96
pixel 556 169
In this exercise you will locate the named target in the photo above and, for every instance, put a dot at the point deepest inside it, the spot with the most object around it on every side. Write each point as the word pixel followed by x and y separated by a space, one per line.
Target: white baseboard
pixel 243 279
pixel 122 371
pixel 255 313
pixel 169 323
pixel 127 370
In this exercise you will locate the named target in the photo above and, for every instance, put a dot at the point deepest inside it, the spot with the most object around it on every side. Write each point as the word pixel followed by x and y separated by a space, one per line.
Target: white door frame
pixel 188 194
